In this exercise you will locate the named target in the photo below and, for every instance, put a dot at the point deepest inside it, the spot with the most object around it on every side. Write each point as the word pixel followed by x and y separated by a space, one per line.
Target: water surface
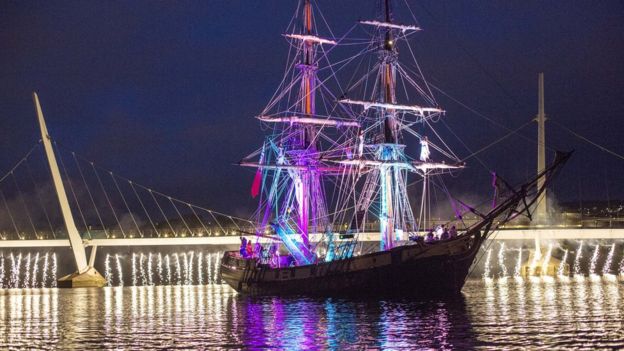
pixel 492 314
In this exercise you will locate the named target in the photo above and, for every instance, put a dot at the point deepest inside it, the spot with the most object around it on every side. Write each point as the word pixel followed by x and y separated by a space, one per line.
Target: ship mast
pixel 389 149
pixel 290 161
pixel 304 180
pixel 388 162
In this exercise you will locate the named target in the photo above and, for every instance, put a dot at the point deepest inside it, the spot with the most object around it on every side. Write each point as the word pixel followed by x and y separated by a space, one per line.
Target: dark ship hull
pixel 436 269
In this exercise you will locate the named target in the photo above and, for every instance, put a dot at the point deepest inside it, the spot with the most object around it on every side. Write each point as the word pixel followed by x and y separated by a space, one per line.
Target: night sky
pixel 164 92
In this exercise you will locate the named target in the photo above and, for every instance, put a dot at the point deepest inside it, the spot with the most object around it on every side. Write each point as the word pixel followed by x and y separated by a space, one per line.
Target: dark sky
pixel 164 92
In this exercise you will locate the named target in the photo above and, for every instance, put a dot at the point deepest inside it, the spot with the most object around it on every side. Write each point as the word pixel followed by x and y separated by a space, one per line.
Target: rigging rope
pixel 600 147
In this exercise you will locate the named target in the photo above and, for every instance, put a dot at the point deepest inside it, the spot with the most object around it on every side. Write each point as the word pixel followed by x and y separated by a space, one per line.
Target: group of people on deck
pixel 441 233
pixel 248 250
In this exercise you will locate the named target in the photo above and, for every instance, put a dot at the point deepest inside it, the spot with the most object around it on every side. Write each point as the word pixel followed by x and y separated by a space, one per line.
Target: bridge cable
pixel 6 205
pixel 71 188
pixel 602 148
pixel 37 191
pixel 163 213
pixel 19 190
pixel 97 175
pixel 123 198
pixel 144 209
pixel 180 215
pixel 90 194
pixel 199 219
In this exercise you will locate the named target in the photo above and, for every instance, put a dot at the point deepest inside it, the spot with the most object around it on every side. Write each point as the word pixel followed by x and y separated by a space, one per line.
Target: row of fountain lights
pixel 561 270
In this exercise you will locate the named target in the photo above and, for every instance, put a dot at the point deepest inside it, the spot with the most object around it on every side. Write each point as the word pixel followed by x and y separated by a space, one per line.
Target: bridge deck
pixel 507 234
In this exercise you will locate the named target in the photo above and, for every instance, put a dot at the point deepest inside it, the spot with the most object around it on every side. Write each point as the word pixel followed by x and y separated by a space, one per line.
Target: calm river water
pixel 495 314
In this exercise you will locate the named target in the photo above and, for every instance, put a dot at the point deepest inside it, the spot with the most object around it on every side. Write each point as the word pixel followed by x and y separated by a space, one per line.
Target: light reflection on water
pixel 503 313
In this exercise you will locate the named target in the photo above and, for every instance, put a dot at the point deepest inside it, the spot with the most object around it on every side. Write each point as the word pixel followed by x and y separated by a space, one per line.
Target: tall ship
pixel 343 160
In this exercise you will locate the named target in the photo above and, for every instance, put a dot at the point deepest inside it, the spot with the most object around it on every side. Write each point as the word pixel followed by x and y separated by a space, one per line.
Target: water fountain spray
pixel 119 272
pixel 200 262
pixel 185 263
pixel 134 270
pixel 160 268
pixel 26 283
pixel 209 267
pixel 518 270
pixel 16 263
pixel 142 269
pixel 150 276
pixel 607 266
pixel 486 272
pixel 168 268
pixel 561 269
pixel 621 267
pixel 35 271
pixel 46 270
pixel 107 271
pixel 2 271
pixel 594 260
pixel 190 267
pixel 577 259
pixel 501 260
pixel 547 259
pixel 178 269
pixel 54 270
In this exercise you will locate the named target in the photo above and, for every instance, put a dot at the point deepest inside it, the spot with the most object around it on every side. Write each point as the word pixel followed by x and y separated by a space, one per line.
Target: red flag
pixel 255 186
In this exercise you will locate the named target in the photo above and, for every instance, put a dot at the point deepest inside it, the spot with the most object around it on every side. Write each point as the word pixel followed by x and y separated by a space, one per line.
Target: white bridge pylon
pixel 80 256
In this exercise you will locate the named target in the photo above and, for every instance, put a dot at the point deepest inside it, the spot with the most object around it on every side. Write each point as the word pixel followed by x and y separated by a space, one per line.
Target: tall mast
pixel 303 179
pixel 388 150
pixel 541 149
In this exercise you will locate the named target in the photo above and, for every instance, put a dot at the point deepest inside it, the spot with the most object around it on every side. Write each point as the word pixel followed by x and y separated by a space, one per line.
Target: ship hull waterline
pixel 417 270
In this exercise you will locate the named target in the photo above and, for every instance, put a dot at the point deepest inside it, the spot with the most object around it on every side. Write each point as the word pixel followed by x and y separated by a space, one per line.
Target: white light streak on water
pixel 594 260
pixel 607 266
pixel 561 269
pixel 107 271
pixel 33 283
pixel 200 263
pixel 119 270
pixel 26 283
pixel 134 269
pixel 577 259
pixel 547 259
pixel 488 258
pixel 501 260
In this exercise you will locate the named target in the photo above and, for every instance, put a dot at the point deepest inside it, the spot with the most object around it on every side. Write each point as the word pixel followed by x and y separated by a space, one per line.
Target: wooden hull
pixel 438 269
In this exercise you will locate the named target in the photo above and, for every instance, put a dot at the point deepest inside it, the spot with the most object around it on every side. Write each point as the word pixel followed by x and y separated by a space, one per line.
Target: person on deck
pixel 249 249
pixel 453 232
pixel 429 237
pixel 258 250
pixel 243 247
pixel 444 235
